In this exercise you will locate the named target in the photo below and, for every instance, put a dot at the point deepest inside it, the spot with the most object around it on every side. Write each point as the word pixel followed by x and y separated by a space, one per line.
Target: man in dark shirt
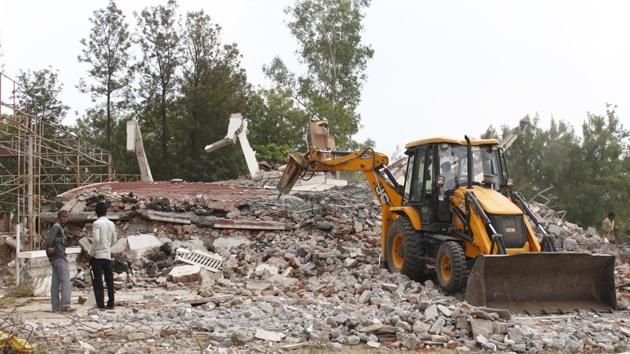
pixel 56 251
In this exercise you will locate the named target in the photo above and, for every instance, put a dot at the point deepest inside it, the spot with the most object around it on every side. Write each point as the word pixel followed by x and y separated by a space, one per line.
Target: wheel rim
pixel 445 268
pixel 398 251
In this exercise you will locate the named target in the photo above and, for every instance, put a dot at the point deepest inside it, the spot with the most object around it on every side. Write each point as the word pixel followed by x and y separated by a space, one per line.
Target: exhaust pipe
pixel 469 161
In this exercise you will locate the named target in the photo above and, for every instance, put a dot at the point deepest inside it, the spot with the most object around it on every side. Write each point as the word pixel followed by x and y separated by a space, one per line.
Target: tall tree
pixel 41 94
pixel 278 125
pixel 588 176
pixel 213 86
pixel 107 52
pixel 602 177
pixel 330 45
pixel 159 42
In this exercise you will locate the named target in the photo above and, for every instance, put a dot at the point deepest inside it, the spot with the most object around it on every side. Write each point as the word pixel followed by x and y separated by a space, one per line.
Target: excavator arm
pixel 368 161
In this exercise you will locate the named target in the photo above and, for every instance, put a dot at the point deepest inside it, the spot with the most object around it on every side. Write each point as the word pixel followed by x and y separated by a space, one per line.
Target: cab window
pixel 409 175
pixel 421 186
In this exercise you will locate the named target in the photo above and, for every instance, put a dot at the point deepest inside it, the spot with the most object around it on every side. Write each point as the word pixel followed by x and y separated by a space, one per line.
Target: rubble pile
pixel 303 271
pixel 573 238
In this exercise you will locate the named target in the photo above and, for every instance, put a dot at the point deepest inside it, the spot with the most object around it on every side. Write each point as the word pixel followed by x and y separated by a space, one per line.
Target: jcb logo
pixel 382 194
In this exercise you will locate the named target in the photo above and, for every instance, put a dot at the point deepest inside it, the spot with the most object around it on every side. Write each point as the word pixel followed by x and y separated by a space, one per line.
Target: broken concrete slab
pixel 185 274
pixel 282 280
pixel 35 268
pixel 481 327
pixel 269 335
pixel 139 244
pixel 258 285
pixel 176 218
pixel 221 223
pixel 225 243
pixel 431 312
pixel 266 268
pixel 120 246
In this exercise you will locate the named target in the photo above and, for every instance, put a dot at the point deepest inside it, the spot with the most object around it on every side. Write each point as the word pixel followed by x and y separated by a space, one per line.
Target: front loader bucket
pixel 295 168
pixel 543 282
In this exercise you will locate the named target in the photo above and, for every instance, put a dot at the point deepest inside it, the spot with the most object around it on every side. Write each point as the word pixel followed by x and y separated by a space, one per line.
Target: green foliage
pixel 41 94
pixel 213 86
pixel 107 53
pixel 159 41
pixel 588 174
pixel 330 45
pixel 90 127
pixel 274 153
pixel 276 120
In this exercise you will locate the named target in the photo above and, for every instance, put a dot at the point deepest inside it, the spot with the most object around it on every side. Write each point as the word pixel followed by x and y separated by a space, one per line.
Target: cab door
pixel 419 182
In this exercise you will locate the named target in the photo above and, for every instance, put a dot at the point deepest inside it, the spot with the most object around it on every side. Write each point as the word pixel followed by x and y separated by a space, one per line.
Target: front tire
pixel 450 264
pixel 405 250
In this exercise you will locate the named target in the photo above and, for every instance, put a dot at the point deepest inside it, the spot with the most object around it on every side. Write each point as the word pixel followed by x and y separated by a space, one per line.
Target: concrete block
pixel 139 244
pixel 35 267
pixel 185 274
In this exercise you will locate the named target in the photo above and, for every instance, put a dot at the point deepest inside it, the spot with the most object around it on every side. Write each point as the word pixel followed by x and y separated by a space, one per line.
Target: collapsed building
pixel 230 266
pixel 292 272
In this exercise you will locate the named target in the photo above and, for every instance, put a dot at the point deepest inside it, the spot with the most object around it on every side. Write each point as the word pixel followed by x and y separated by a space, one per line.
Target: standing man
pixel 103 238
pixel 56 252
pixel 608 228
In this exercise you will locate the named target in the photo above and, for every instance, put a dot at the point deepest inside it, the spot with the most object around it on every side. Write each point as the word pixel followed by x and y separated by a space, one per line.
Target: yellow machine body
pixel 520 276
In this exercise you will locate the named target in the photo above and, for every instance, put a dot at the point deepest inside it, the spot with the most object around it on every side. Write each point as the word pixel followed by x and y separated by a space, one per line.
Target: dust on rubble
pixel 299 273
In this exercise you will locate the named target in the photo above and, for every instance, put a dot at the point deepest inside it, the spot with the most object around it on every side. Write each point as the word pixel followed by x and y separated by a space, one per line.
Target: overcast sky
pixel 440 68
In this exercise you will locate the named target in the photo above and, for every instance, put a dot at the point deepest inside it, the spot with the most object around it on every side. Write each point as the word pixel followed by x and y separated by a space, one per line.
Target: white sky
pixel 440 67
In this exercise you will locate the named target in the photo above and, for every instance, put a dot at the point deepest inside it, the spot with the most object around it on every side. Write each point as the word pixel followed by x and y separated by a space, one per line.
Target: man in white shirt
pixel 103 238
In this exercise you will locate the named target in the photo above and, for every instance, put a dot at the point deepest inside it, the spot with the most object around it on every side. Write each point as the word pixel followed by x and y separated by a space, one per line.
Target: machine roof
pixel 440 140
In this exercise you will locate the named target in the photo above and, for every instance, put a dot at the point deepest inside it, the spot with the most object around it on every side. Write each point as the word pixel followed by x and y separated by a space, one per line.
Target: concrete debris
pixel 315 284
pixel 269 335
pixel 139 244
pixel 185 274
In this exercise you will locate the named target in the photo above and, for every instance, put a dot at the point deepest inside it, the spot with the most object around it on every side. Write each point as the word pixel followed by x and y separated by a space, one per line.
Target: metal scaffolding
pixel 39 160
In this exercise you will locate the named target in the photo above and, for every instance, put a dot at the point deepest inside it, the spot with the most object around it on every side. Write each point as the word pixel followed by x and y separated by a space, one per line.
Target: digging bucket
pixel 295 168
pixel 543 282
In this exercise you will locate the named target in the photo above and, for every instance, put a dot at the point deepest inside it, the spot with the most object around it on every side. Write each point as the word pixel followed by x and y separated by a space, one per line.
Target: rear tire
pixel 450 264
pixel 405 249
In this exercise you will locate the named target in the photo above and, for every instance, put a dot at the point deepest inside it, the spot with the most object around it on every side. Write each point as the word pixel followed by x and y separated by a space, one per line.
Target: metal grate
pixel 209 261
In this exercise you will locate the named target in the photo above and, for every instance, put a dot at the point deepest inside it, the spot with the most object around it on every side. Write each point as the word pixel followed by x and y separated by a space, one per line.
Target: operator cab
pixel 438 166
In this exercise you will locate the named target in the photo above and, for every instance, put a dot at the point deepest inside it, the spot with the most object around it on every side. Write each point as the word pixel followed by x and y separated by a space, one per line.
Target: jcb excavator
pixel 455 214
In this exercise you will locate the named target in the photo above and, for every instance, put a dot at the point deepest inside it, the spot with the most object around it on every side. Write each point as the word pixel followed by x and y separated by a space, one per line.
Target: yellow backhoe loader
pixel 455 214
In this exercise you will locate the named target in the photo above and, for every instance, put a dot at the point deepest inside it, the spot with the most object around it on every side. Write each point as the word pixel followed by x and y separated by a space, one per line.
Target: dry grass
pixel 25 289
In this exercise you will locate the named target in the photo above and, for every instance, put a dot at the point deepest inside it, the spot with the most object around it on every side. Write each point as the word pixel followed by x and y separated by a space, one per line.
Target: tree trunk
pixel 109 122
pixel 168 166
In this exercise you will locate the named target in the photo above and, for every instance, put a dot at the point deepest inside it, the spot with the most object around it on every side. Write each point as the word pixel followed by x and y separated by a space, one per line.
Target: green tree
pixel 330 46
pixel 213 86
pixel 41 94
pixel 159 41
pixel 601 178
pixel 588 176
pixel 278 126
pixel 107 53
pixel 90 127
